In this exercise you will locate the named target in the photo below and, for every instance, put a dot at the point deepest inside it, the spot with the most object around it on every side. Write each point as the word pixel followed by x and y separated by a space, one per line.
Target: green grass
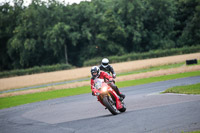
pixel 188 89
pixel 154 68
pixel 156 79
pixel 192 132
pixel 36 97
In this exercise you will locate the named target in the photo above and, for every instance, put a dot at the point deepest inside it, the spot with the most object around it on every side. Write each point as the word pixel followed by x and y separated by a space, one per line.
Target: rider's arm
pixel 112 71
pixel 92 87
pixel 92 84
pixel 105 75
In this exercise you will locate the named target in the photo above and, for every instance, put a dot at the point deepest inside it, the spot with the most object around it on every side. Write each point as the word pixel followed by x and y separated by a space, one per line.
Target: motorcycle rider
pixel 106 67
pixel 96 73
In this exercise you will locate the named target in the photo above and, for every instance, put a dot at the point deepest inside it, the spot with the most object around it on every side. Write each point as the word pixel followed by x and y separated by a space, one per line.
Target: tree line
pixel 47 33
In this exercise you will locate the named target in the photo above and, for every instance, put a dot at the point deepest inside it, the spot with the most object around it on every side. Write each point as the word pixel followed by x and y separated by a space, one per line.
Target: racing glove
pixel 93 93
pixel 114 76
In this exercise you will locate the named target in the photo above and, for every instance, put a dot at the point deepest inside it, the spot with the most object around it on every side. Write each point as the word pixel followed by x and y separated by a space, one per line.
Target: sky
pixel 29 1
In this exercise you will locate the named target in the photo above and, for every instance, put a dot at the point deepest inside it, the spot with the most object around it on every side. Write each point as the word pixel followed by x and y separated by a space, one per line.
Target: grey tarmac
pixel 148 111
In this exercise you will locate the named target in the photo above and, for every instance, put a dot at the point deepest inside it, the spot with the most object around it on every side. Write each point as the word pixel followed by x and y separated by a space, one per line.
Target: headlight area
pixel 104 89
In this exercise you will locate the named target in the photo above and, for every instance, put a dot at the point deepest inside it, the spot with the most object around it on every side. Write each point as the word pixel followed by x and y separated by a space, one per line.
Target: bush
pixel 145 55
pixel 36 69
pixel 97 61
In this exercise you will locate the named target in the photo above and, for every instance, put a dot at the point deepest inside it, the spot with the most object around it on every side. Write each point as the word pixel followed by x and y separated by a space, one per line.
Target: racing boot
pixel 122 96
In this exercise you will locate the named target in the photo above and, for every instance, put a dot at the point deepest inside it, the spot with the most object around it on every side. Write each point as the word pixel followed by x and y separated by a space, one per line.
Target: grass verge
pixel 187 89
pixel 36 97
pixel 155 68
pixel 157 79
pixel 198 131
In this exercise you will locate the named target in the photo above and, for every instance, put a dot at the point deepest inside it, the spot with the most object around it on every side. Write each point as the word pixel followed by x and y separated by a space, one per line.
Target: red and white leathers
pixel 102 75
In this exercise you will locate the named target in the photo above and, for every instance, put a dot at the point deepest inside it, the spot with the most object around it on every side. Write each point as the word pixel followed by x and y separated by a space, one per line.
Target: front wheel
pixel 109 103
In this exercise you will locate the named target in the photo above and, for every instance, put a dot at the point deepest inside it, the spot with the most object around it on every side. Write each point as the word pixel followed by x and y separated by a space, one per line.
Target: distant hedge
pixel 36 69
pixel 97 61
pixel 145 55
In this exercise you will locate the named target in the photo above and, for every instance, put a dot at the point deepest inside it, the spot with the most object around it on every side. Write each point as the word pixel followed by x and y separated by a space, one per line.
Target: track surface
pixel 147 111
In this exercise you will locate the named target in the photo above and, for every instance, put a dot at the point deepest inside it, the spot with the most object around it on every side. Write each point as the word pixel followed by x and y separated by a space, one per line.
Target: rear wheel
pixel 110 104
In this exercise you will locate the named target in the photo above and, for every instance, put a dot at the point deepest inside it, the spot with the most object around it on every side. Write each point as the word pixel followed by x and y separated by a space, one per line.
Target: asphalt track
pixel 148 111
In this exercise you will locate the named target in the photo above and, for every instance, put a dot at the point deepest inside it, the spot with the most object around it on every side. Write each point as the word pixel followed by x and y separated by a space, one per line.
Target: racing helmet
pixel 104 62
pixel 95 69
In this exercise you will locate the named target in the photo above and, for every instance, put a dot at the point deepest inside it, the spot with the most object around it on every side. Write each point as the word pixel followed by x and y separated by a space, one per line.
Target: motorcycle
pixel 108 97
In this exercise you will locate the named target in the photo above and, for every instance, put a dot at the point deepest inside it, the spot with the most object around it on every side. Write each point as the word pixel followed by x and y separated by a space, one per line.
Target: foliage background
pixel 49 33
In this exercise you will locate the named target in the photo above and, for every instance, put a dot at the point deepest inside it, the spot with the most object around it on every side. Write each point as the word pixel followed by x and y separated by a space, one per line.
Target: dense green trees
pixel 188 18
pixel 46 33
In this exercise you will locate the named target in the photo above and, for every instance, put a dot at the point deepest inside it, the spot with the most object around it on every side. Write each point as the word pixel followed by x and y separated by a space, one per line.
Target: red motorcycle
pixel 108 97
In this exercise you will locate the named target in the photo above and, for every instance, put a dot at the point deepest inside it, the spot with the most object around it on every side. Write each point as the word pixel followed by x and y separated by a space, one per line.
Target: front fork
pixel 100 98
pixel 116 102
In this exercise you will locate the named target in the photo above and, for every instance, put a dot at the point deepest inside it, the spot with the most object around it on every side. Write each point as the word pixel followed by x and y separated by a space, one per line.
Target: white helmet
pixel 105 62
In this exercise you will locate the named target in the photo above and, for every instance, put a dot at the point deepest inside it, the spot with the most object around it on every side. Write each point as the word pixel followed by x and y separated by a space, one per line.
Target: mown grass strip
pixel 153 68
pixel 156 79
pixel 36 97
pixel 187 89
pixel 198 131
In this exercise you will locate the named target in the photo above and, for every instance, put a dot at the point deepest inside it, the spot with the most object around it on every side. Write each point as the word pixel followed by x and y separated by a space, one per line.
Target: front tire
pixel 110 105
